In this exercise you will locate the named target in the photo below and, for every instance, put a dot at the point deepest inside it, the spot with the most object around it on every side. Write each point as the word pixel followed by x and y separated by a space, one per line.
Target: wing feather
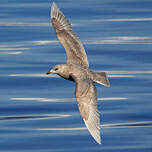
pixel 86 95
pixel 74 49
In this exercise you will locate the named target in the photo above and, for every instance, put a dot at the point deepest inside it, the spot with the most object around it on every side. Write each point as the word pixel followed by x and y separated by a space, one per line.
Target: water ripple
pixel 133 124
pixel 33 117
pixel 123 20
pixel 121 76
pixel 11 53
pixel 10 49
pixel 32 75
pixel 118 125
pixel 129 72
pixel 62 99
pixel 27 24
pixel 121 40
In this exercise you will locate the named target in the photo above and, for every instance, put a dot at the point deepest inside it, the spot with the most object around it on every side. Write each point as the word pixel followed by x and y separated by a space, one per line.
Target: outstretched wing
pixel 86 96
pixel 74 48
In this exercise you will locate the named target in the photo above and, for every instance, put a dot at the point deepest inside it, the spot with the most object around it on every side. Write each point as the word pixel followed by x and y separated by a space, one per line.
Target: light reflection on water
pixel 119 125
pixel 32 117
pixel 39 112
pixel 62 99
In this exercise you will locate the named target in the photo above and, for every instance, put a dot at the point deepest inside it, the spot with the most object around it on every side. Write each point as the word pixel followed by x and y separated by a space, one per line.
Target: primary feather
pixel 86 95
pixel 74 49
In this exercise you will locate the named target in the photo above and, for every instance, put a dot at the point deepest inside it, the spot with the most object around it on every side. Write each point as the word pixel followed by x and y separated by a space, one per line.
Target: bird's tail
pixel 101 78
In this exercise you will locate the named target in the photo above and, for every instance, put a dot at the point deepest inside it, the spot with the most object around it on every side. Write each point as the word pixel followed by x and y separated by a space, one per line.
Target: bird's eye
pixel 56 69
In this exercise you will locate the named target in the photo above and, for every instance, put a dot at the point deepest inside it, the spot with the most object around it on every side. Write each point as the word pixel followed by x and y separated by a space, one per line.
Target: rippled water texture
pixel 39 113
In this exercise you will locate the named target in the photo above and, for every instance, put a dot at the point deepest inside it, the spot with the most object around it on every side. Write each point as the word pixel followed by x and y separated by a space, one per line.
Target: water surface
pixel 39 113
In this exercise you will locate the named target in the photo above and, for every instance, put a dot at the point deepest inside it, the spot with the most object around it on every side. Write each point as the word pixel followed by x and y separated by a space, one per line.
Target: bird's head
pixel 57 69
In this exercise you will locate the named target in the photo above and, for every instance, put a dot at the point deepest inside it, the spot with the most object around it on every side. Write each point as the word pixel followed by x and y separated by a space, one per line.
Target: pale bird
pixel 77 69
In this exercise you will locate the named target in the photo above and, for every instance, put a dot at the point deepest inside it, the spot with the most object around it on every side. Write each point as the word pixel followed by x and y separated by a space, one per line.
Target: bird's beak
pixel 48 72
pixel 51 71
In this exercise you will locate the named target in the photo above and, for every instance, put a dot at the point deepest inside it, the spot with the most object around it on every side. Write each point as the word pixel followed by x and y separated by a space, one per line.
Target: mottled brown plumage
pixel 77 70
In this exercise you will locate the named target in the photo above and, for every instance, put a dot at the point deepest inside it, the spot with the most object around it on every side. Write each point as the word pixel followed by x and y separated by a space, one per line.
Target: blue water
pixel 38 113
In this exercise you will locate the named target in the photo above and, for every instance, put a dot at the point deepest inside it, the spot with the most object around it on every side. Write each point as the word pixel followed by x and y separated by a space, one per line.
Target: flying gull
pixel 77 69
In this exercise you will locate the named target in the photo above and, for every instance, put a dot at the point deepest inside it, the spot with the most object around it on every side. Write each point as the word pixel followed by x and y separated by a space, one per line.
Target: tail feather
pixel 101 78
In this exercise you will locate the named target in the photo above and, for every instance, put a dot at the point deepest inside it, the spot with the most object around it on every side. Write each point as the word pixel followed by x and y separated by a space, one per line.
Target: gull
pixel 77 69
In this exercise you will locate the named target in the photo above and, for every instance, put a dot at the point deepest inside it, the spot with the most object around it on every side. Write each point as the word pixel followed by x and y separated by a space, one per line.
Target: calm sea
pixel 39 113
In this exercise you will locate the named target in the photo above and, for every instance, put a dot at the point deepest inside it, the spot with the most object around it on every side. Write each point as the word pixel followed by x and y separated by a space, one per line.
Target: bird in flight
pixel 77 69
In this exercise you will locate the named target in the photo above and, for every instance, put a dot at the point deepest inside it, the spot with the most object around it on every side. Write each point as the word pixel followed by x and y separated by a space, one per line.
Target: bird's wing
pixel 74 49
pixel 86 96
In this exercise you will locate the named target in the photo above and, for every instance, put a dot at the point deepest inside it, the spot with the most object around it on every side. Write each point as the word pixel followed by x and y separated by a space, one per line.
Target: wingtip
pixel 98 139
pixel 61 22
pixel 53 8
pixel 108 83
pixel 53 5
pixel 99 142
pixel 95 133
